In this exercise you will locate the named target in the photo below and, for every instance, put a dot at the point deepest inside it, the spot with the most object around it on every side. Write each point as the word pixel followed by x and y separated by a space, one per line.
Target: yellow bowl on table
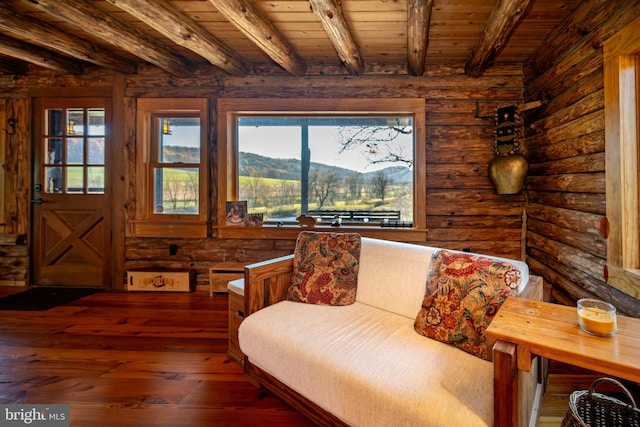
pixel 597 317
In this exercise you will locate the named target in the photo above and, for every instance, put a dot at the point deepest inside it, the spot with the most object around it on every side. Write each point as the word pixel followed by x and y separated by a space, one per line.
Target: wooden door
pixel 70 197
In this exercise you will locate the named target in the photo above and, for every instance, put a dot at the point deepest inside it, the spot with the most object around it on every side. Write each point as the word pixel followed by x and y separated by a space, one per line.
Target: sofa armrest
pixel 518 392
pixel 266 282
pixel 532 291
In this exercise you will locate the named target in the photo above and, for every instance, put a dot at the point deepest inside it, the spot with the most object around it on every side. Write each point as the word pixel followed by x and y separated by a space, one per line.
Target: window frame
pixel 146 223
pixel 229 109
pixel 622 148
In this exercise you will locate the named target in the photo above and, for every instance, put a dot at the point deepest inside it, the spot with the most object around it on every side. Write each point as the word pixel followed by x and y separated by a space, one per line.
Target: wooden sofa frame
pixel 266 283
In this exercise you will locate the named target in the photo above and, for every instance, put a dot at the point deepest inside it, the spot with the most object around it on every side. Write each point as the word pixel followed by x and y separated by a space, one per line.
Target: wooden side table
pixel 524 328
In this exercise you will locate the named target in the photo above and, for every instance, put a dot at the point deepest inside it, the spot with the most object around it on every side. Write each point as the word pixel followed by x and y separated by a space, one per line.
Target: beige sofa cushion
pixel 369 367
pixel 393 275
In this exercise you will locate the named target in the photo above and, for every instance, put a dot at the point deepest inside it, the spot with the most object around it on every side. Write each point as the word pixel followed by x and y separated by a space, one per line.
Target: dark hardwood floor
pixel 158 359
pixel 133 359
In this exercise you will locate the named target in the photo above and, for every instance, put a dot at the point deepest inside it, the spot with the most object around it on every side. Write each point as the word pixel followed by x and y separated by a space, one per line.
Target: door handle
pixel 37 201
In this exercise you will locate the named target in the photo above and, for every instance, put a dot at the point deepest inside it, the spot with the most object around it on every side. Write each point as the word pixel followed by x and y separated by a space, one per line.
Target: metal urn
pixel 508 173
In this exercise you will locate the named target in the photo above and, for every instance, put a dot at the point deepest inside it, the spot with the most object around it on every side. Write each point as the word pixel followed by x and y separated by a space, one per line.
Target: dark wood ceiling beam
pixel 504 19
pixel 38 56
pixel 418 22
pixel 178 27
pixel 48 36
pixel 93 20
pixel 332 18
pixel 261 31
pixel 9 66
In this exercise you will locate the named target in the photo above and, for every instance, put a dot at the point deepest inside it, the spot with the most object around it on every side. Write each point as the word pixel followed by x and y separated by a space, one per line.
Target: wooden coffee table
pixel 526 328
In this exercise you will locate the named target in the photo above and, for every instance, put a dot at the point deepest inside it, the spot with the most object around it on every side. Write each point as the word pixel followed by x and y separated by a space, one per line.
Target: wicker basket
pixel 590 409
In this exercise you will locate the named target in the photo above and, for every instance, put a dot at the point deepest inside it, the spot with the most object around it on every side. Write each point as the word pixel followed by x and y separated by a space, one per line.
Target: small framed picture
pixel 236 212
pixel 255 219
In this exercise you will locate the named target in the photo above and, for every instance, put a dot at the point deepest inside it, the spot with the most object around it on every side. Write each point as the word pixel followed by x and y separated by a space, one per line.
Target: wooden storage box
pixel 222 273
pixel 175 281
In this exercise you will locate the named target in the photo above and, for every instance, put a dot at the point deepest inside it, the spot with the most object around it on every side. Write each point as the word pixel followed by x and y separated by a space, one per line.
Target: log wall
pixel 463 209
pixel 14 259
pixel 566 150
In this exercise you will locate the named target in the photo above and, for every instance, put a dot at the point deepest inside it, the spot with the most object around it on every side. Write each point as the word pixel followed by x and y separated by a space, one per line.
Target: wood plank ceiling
pixel 299 37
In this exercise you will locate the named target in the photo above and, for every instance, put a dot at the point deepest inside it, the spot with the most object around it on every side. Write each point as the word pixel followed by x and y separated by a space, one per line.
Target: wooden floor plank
pixel 159 359
pixel 133 359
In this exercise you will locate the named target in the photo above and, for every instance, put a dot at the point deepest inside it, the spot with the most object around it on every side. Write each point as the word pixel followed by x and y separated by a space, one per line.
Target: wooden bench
pixel 355 216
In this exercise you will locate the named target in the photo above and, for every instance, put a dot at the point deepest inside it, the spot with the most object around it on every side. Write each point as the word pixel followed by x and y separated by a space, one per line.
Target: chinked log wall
pixel 566 184
pixel 14 226
pixel 463 209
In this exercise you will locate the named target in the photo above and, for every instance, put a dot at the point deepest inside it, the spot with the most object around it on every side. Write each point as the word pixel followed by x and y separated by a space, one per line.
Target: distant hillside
pixel 179 154
pixel 290 169
pixel 269 167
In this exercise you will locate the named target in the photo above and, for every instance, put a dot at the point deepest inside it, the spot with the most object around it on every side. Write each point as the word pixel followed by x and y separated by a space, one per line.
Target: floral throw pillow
pixel 464 293
pixel 325 268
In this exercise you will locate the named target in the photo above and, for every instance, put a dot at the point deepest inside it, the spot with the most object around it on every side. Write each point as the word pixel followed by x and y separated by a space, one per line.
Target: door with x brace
pixel 70 198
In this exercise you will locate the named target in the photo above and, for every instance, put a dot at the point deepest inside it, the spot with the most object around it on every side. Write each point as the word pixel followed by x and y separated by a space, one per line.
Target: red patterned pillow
pixel 464 293
pixel 325 268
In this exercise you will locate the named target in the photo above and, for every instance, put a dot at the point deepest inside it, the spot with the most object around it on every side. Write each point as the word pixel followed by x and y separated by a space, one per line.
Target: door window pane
pixel 95 147
pixel 54 121
pixel 54 180
pixel 75 151
pixel 75 122
pixel 95 179
pixel 75 179
pixel 96 122
pixel 53 156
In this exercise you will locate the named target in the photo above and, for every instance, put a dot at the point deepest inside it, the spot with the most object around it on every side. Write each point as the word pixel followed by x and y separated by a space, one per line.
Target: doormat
pixel 40 298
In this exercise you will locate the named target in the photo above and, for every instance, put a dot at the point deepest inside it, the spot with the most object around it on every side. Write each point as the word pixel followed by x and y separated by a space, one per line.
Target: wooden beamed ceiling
pixel 299 37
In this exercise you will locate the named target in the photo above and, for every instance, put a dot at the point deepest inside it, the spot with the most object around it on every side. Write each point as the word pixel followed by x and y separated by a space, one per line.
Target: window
pixel 359 160
pixel 171 168
pixel 74 157
pixel 622 134
pixel 175 165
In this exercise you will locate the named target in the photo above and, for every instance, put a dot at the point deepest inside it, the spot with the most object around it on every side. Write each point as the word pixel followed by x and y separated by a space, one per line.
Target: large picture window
pixel 349 169
pixel 352 163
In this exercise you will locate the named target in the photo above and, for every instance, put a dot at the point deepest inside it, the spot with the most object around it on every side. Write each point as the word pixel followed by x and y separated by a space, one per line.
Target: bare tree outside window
pixel 379 185
pixel 378 143
pixel 324 185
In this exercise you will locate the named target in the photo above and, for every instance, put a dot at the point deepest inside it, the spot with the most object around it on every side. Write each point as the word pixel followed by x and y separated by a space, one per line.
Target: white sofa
pixel 364 364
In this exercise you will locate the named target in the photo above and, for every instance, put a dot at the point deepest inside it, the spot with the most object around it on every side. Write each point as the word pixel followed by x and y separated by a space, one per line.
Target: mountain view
pixel 273 186
pixel 289 169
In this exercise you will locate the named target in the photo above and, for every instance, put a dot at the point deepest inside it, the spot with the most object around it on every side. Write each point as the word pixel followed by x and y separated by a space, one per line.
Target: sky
pixel 284 143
